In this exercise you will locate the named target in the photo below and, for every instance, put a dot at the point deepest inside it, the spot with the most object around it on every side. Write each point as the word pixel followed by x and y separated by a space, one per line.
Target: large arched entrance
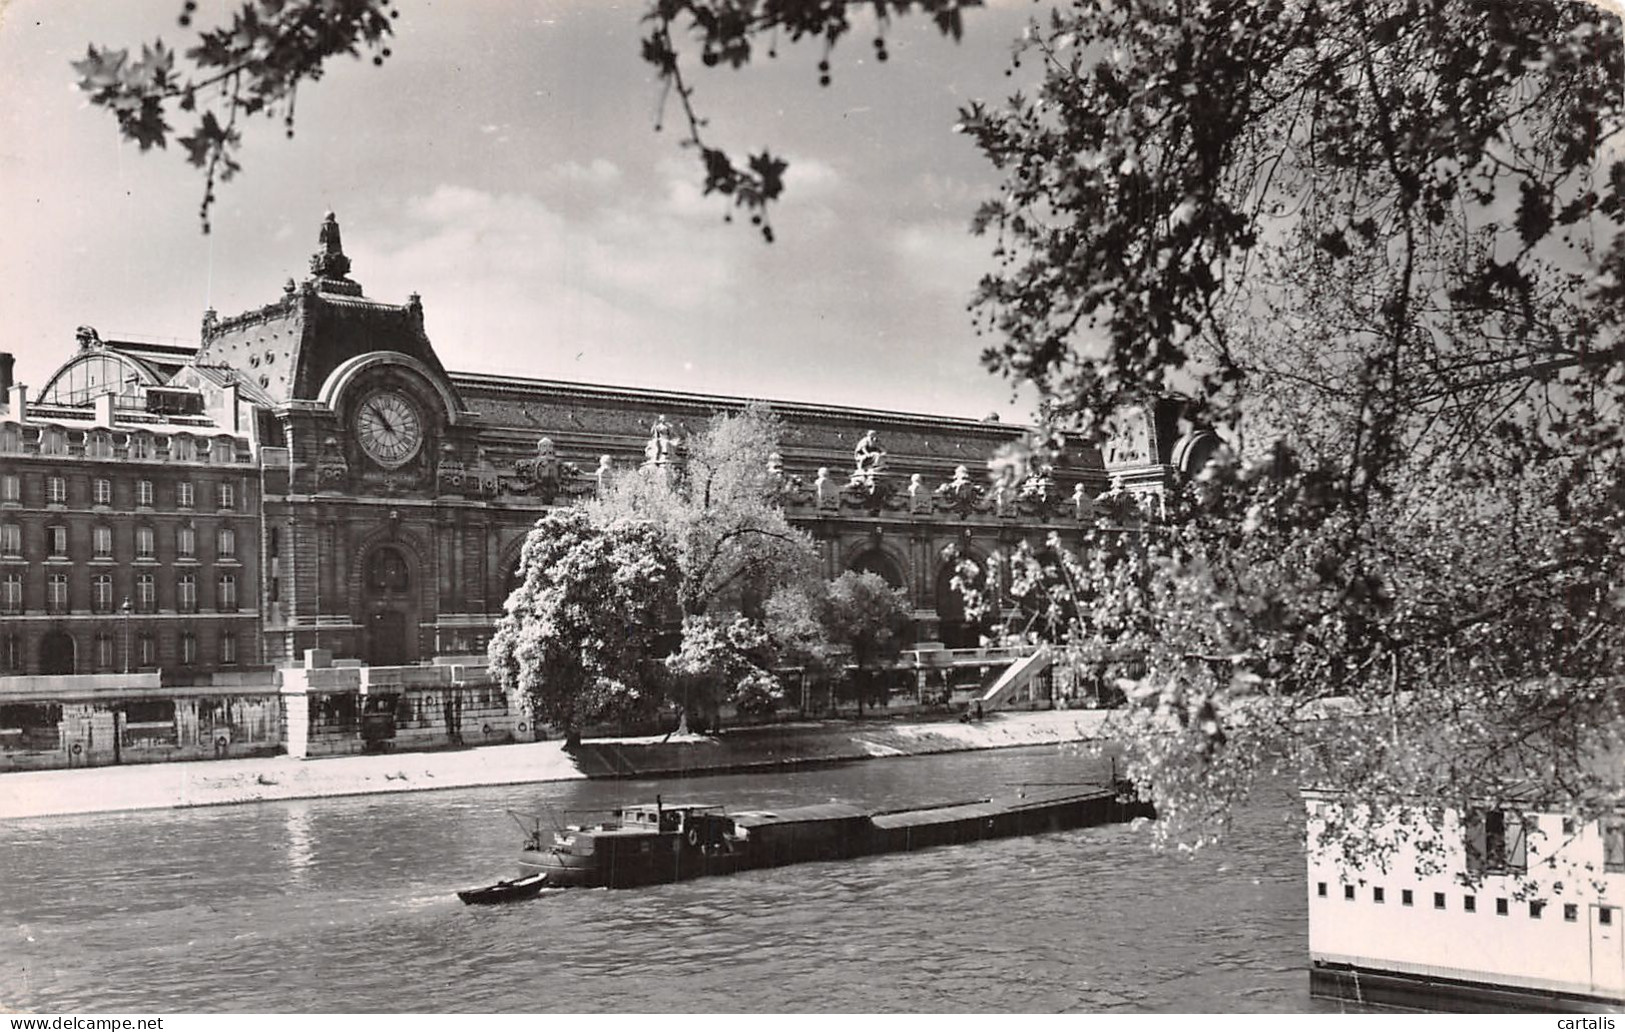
pixel 879 563
pixel 56 653
pixel 387 587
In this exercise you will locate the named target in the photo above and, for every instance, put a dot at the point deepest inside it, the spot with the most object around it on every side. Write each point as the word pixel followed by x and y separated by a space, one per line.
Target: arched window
pixel 386 571
pixel 879 563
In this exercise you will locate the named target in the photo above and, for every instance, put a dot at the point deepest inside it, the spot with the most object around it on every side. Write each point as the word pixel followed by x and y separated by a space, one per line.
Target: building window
pixel 181 449
pixel 224 452
pixel 11 488
pixel 1320 889
pixel 188 648
pixel 1495 841
pixel 386 570
pixel 104 652
pixel 53 441
pixel 11 439
pixel 11 539
pixel 185 542
pixel 225 543
pixel 56 593
pixel 186 593
pixel 102 540
pixel 1613 844
pixel 104 491
pixel 1378 895
pixel 1407 898
pixel 1569 825
pixel 1438 901
pixel 1536 908
pixel 147 649
pixel 1501 906
pixel 228 649
pixel 101 592
pixel 141 447
pixel 11 593
pixel 184 494
pixel 56 540
pixel 146 593
pixel 1469 904
pixel 11 652
pixel 144 548
pixel 143 493
pixel 99 445
pixel 228 594
pixel 56 490
pixel 1605 915
pixel 1348 892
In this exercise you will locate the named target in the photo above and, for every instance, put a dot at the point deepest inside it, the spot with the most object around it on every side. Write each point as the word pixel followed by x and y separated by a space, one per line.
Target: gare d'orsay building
pixel 311 476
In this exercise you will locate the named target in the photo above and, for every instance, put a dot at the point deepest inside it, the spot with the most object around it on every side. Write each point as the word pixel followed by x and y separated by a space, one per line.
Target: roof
pixel 474 384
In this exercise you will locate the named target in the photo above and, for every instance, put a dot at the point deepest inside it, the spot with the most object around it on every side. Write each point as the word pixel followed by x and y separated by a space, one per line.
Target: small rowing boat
pixel 506 891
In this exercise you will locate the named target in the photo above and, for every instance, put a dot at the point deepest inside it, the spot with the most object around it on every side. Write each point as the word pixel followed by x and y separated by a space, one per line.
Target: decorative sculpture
pixel 661 449
pixel 919 497
pixel 825 493
pixel 868 457
pixel 961 494
pixel 1083 507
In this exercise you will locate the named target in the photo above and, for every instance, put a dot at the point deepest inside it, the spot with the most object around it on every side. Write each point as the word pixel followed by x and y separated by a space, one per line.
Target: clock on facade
pixel 389 428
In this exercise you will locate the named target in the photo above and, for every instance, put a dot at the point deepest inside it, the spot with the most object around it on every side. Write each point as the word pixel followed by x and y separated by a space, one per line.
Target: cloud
pixel 941 256
pixel 514 283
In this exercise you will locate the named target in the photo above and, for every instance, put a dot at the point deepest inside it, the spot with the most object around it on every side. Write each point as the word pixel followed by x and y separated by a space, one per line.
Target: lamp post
pixel 125 609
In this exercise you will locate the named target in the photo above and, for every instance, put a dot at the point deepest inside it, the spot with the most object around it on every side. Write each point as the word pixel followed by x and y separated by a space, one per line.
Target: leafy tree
pixel 719 508
pixel 724 659
pixel 578 635
pixel 867 617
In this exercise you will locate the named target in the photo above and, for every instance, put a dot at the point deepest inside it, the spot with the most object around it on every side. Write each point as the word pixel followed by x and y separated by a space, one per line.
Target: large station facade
pixel 310 476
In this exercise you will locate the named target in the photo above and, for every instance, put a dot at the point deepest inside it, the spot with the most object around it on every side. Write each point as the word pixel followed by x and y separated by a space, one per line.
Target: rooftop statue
pixel 868 457
pixel 661 449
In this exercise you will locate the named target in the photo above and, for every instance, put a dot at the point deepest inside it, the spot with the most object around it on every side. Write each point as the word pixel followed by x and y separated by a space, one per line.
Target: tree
pixel 578 635
pixel 719 508
pixel 733 547
pixel 721 658
pixel 863 614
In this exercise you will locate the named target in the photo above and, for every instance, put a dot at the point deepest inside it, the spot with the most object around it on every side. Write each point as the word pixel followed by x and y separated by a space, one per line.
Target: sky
pixel 504 164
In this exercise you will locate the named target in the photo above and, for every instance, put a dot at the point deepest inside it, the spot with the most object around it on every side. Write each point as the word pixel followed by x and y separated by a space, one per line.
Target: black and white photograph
pixel 811 507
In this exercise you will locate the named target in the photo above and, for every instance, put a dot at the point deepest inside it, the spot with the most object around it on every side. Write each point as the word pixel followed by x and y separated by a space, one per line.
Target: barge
pixel 659 842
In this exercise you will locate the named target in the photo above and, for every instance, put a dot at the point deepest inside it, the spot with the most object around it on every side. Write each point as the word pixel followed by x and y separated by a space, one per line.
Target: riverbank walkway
pixel 218 782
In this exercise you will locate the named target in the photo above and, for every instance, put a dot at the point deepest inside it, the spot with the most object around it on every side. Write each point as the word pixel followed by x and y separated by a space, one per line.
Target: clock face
pixel 389 428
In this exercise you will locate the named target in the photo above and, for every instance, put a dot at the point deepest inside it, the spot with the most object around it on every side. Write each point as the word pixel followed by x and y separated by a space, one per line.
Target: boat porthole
pixel 521 727
pixel 693 836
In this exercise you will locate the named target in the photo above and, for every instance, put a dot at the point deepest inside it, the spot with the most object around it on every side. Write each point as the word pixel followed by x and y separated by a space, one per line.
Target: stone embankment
pixel 211 783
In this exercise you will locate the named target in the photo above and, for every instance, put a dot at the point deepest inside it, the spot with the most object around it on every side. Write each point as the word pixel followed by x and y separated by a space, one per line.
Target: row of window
pixel 1469 903
pixel 108 652
pixel 99 444
pixel 101 492
pixel 101 542
pixel 58 598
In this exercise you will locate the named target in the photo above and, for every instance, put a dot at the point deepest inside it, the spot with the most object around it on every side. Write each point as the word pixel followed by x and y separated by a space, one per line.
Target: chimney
pixel 6 360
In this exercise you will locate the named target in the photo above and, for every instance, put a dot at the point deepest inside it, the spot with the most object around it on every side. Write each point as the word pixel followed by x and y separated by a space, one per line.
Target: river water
pixel 348 905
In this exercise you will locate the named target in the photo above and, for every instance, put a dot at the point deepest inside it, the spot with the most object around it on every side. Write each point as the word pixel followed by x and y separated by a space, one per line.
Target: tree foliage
pixel 719 508
pixel 579 635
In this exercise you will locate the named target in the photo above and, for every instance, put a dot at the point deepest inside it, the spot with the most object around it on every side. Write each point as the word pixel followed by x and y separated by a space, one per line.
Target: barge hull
pixel 706 842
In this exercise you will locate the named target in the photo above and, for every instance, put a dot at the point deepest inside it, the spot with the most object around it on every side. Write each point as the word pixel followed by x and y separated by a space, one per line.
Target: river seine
pixel 348 905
